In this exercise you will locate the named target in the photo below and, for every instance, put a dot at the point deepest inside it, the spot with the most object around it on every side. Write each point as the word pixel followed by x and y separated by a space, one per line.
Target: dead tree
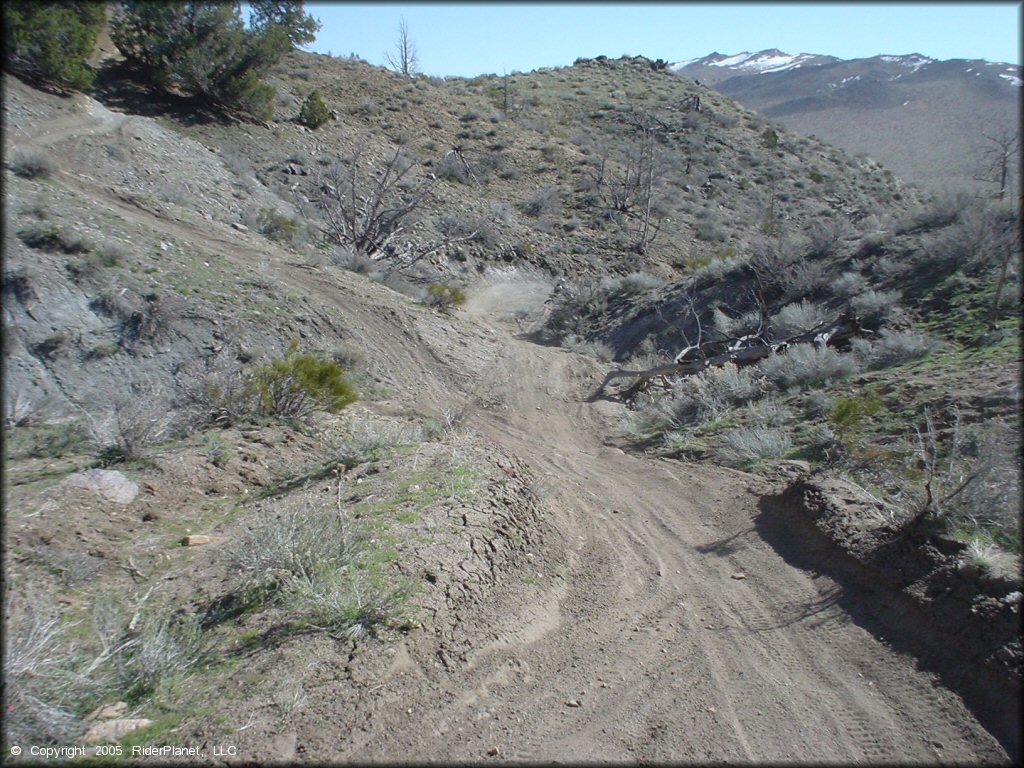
pixel 365 204
pixel 997 159
pixel 741 351
pixel 627 183
pixel 404 59
pixel 457 153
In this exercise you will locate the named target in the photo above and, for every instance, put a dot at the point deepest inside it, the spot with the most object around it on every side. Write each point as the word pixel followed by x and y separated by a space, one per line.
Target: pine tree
pixel 205 49
pixel 314 112
pixel 51 41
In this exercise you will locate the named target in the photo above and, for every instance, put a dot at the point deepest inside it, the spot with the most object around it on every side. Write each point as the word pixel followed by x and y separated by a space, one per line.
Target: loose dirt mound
pixel 919 589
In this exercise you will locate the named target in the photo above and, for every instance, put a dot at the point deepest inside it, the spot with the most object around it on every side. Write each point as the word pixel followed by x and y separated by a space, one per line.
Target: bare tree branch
pixel 745 350
pixel 364 204
pixel 403 59
pixel 997 160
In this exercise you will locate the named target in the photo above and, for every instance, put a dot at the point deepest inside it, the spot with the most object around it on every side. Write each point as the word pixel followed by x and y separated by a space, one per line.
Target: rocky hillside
pixel 923 118
pixel 298 415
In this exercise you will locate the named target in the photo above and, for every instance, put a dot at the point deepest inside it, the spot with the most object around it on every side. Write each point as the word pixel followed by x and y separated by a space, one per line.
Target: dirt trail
pixel 637 616
pixel 654 624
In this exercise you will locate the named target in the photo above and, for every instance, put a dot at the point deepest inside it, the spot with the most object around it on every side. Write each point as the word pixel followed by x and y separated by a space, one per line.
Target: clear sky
pixel 472 38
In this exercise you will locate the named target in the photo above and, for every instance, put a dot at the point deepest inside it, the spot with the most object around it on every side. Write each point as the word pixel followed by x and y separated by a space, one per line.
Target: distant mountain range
pixel 921 117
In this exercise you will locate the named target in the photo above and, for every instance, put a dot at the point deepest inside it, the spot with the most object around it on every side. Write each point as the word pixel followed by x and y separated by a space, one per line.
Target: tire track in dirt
pixel 633 613
pixel 765 668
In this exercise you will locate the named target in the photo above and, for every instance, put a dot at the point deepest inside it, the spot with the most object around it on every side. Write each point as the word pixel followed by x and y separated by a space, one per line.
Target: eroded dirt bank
pixel 658 614
pixel 653 620
pixel 919 590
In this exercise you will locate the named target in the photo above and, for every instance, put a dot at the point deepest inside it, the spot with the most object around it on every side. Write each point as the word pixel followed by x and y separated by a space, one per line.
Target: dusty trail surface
pixel 654 622
pixel 658 624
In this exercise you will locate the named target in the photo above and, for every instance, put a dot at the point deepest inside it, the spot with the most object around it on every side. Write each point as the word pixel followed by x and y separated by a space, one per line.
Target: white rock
pixel 108 483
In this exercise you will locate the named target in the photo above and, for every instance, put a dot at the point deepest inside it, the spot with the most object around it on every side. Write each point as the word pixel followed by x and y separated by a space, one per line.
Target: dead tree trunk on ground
pixel 745 350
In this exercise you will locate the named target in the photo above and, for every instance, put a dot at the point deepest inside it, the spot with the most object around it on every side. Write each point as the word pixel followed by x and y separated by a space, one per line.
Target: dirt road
pixel 659 625
pixel 656 623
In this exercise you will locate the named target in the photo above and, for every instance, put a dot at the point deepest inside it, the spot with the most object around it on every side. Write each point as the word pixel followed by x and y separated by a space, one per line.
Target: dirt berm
pixel 921 592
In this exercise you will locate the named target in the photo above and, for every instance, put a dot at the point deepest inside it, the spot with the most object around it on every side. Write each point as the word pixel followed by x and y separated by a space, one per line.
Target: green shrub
pixel 444 297
pixel 52 238
pixel 805 364
pixel 162 649
pixel 710 394
pixel 204 49
pixel 748 445
pixel 138 421
pixel 893 347
pixel 277 226
pixel 218 450
pixel 794 319
pixel 313 113
pixel 40 679
pixel 875 305
pixel 293 386
pixel 847 417
pixel 47 440
pixel 323 562
pixel 543 202
pixel 51 41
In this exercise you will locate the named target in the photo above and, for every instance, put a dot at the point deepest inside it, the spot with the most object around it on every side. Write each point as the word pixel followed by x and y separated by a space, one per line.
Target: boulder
pixel 107 483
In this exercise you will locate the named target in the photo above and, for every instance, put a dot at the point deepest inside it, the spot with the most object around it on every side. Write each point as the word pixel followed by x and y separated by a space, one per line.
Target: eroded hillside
pixel 479 558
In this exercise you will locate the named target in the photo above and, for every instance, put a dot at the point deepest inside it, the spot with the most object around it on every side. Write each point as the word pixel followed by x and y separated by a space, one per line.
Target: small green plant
pixel 295 385
pixel 46 440
pixel 40 680
pixel 746 446
pixel 53 346
pixel 697 262
pixel 161 650
pixel 218 450
pixel 50 237
pixel 313 113
pixel 103 350
pixel 277 226
pixel 444 297
pixel 366 440
pixel 848 415
pixel 324 566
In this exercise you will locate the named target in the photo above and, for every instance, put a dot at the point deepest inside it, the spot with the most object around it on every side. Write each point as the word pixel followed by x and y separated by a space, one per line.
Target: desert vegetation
pixel 299 329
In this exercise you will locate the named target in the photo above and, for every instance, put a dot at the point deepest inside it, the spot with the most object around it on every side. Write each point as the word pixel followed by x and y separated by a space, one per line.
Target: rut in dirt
pixel 656 622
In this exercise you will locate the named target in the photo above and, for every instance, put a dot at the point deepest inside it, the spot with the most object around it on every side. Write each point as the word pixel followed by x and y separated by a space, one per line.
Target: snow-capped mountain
pixel 762 62
pixel 919 116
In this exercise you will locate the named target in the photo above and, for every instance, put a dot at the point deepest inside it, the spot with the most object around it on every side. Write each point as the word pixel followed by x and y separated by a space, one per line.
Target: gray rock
pixel 108 483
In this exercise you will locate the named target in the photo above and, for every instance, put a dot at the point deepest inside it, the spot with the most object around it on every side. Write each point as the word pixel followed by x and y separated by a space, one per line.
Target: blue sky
pixel 468 39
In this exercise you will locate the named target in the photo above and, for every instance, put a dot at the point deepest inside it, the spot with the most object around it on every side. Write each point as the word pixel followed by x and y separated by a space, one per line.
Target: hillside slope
pixel 470 562
pixel 923 118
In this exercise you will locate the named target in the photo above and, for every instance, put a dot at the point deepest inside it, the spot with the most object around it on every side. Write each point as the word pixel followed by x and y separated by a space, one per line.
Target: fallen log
pixel 741 351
